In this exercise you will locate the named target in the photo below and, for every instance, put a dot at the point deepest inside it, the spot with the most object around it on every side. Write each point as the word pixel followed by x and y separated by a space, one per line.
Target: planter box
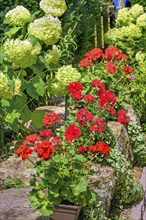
pixel 66 212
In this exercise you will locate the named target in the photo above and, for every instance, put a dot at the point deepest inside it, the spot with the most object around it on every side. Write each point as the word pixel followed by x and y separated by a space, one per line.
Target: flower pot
pixel 66 212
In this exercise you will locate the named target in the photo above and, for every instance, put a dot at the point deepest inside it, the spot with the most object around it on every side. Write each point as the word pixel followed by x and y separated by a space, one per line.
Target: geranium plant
pixel 66 154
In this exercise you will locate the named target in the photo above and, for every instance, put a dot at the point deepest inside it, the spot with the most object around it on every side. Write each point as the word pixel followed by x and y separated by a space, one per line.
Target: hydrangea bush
pixel 30 57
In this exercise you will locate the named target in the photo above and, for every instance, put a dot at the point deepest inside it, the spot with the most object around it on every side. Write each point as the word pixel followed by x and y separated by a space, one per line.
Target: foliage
pixel 127 190
pixel 67 156
pixel 61 173
pixel 29 61
pixel 129 35
pixel 13 182
pixel 137 140
pixel 85 15
pixel 140 2
pixel 32 5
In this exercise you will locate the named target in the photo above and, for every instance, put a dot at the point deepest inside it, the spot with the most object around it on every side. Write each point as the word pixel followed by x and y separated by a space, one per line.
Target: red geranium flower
pixel 82 148
pixel 56 141
pixel 24 151
pixel 51 118
pixel 99 125
pixel 112 53
pixel 106 97
pixel 46 133
pixel 110 109
pixel 85 62
pixel 111 67
pixel 32 138
pixel 92 148
pixel 99 84
pixel 75 89
pixel 102 147
pixel 44 149
pixel 84 116
pixel 72 132
pixel 122 117
pixel 94 54
pixel 89 97
pixel 127 69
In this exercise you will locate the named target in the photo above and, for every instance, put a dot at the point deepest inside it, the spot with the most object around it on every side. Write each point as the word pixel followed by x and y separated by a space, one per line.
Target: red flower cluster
pixel 113 53
pixel 99 125
pixel 75 89
pixel 122 117
pixel 85 62
pixel 72 132
pixel 82 148
pixel 111 67
pixel 46 133
pixel 51 118
pixel 110 109
pixel 84 116
pixel 99 84
pixel 89 97
pixel 106 97
pixel 24 151
pixel 100 147
pixel 32 138
pixel 127 69
pixel 44 149
pixel 94 54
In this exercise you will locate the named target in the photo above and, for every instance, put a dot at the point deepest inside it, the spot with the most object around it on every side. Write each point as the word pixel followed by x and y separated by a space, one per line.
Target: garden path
pixel 136 209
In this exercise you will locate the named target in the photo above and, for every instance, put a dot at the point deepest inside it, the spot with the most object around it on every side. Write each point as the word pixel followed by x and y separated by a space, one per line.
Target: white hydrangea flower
pixel 5 90
pixel 123 17
pixel 141 21
pixel 54 7
pixel 134 31
pixel 21 52
pixel 46 29
pixel 65 75
pixel 18 16
pixel 52 56
pixel 135 11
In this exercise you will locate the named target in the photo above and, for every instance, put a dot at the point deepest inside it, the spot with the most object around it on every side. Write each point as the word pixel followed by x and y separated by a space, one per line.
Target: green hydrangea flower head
pixel 52 56
pixel 18 16
pixel 123 18
pixel 57 89
pixel 21 53
pixel 5 90
pixel 141 21
pixel 65 75
pixel 54 7
pixel 135 11
pixel 46 29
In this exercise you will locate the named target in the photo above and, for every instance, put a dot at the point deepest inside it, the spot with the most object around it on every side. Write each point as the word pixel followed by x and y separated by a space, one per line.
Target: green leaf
pixel 81 185
pixel 39 85
pixel 31 92
pixel 37 117
pixel 46 210
pixel 12 31
pixel 42 59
